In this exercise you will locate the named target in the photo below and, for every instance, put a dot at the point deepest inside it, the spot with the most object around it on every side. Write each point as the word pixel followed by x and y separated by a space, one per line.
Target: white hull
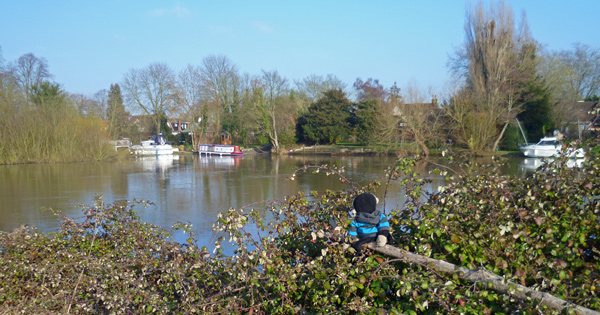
pixel 550 147
pixel 222 150
pixel 160 149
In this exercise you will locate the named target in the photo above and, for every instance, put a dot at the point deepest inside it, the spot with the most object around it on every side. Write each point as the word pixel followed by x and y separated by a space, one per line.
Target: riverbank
pixel 111 261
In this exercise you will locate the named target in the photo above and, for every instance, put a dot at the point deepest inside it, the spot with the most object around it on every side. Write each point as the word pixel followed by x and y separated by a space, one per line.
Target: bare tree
pixel 270 103
pixel 101 99
pixel 151 90
pixel 571 75
pixel 189 92
pixel 220 78
pixel 369 90
pixel 30 70
pixel 419 119
pixel 87 106
pixel 2 62
pixel 313 87
pixel 492 61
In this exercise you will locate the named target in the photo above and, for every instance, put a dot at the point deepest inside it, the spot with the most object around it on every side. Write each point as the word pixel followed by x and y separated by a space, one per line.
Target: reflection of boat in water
pixel 158 162
pixel 220 161
pixel 157 145
pixel 550 147
pixel 531 164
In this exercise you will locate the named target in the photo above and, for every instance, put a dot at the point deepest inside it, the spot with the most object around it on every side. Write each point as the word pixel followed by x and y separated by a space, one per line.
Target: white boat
pixel 220 149
pixel 156 145
pixel 550 147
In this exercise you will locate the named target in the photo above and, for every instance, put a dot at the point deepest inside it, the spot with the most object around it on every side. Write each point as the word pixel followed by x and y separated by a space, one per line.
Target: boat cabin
pixel 226 138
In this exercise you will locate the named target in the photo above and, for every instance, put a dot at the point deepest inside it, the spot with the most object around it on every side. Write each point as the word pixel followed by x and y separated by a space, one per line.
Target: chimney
pixel 434 101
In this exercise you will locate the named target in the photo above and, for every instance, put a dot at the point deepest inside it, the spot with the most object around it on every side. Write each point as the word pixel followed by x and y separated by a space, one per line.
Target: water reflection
pixel 215 161
pixel 529 165
pixel 187 188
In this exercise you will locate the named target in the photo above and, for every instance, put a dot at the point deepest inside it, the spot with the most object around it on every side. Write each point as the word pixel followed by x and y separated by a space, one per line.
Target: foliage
pixel 50 131
pixel 572 75
pixel 364 120
pixel 327 120
pixel 540 231
pixel 494 62
pixel 512 139
pixel 47 94
pixel 537 111
pixel 117 116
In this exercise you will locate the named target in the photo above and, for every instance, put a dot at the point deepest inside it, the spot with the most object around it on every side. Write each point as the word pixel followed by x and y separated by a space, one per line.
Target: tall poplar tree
pixel 117 116
pixel 492 61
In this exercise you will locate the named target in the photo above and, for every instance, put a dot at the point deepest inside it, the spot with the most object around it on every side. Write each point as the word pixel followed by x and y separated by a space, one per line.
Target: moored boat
pixel 550 147
pixel 157 145
pixel 220 149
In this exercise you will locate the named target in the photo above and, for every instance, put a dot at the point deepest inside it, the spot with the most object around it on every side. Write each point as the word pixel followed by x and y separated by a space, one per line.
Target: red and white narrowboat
pixel 220 149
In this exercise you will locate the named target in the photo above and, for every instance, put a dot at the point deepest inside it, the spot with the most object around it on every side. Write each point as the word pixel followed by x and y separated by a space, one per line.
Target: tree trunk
pixel 481 275
pixel 423 147
pixel 497 142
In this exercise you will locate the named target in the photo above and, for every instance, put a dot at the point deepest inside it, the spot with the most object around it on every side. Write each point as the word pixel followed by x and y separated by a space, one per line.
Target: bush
pixel 540 231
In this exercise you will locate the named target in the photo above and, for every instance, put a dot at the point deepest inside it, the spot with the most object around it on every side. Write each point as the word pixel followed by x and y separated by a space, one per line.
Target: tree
pixel 47 94
pixel 536 116
pixel 313 87
pixel 30 70
pixel 270 96
pixel 101 100
pixel 220 80
pixel 91 107
pixel 189 92
pixel 116 114
pixel 470 126
pixel 419 120
pixel 152 90
pixel 492 61
pixel 364 120
pixel 571 75
pixel 1 62
pixel 327 120
pixel 369 90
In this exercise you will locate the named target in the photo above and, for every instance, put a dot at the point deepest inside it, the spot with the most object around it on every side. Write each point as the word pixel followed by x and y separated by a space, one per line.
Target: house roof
pixel 582 111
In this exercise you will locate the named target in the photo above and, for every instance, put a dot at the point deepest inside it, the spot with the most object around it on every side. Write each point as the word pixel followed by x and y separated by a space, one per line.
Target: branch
pixel 481 275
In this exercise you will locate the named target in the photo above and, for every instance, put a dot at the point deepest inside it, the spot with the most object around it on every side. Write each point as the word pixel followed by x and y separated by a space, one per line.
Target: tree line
pixel 501 74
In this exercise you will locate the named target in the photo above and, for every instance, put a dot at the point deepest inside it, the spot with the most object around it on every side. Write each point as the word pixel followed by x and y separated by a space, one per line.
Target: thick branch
pixel 481 275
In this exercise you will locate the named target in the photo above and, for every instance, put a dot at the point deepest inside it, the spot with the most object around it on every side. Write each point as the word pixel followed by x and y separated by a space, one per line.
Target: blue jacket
pixel 369 225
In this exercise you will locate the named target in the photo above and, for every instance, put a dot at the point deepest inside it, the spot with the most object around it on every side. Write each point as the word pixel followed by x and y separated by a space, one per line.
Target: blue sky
pixel 92 44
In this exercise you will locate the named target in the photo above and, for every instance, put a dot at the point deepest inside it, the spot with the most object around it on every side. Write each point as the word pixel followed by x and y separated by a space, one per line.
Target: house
pixel 140 121
pixel 583 116
pixel 430 110
pixel 177 125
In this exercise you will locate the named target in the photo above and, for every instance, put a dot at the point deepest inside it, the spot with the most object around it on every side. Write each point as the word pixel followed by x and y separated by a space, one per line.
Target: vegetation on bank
pixel 540 231
pixel 506 87
pixel 48 128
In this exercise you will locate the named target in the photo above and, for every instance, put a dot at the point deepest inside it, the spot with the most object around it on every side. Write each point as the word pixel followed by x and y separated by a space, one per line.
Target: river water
pixel 183 188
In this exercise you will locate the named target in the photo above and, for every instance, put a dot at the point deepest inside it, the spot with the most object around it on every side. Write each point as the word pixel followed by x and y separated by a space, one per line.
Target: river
pixel 183 188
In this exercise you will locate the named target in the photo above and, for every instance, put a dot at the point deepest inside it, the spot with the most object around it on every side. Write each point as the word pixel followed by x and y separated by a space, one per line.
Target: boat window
pixel 548 142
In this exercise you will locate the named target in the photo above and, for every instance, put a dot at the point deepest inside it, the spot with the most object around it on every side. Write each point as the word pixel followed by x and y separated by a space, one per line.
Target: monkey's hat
pixel 365 202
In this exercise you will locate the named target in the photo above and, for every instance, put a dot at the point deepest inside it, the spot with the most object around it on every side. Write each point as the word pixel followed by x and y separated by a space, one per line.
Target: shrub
pixel 540 231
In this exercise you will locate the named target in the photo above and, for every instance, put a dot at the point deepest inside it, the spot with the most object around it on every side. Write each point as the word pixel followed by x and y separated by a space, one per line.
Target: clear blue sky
pixel 92 44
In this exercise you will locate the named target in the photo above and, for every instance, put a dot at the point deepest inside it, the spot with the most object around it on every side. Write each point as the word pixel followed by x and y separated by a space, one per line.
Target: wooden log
pixel 492 280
